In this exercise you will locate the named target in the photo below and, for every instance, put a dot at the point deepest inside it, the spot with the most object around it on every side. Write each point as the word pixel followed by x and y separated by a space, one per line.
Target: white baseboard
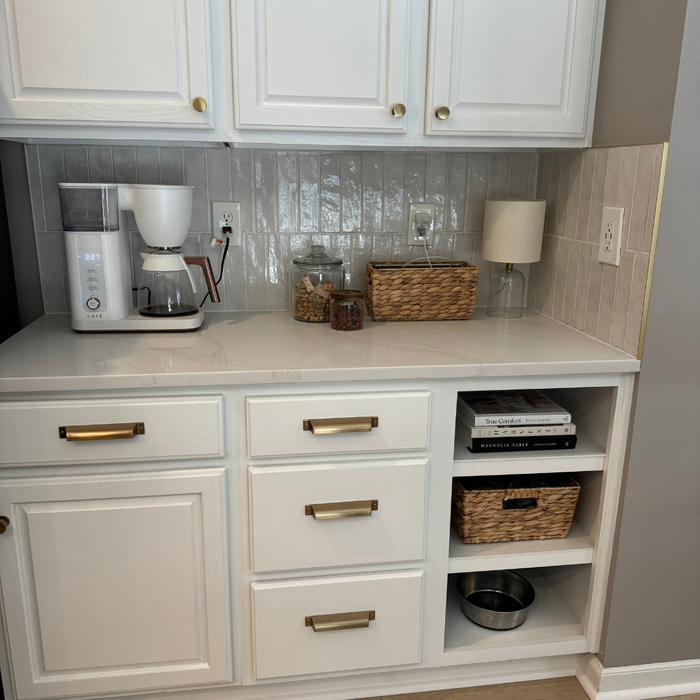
pixel 661 680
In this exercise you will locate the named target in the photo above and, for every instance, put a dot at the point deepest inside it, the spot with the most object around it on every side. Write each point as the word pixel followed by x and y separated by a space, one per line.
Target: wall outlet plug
pixel 226 222
pixel 421 224
pixel 611 235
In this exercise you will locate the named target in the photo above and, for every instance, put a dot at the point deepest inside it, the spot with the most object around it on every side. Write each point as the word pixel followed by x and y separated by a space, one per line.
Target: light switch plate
pixel 611 235
pixel 227 214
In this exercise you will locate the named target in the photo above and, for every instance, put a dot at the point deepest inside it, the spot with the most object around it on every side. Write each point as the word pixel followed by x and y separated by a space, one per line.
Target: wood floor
pixel 555 689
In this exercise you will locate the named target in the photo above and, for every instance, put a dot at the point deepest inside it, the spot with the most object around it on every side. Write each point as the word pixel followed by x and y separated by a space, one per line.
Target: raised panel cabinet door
pixel 511 68
pixel 115 583
pixel 112 62
pixel 323 65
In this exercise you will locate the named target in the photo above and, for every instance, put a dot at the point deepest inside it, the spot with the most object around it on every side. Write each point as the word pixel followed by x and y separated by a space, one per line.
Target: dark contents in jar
pixel 346 317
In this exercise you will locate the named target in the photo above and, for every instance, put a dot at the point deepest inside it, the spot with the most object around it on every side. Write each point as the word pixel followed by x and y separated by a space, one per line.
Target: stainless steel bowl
pixel 498 600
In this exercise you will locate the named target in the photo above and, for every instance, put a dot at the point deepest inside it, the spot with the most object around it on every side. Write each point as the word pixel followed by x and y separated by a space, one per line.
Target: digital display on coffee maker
pixel 90 257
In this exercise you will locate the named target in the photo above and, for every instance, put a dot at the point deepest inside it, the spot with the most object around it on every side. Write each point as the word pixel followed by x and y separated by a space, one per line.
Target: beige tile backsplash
pixel 569 284
pixel 354 203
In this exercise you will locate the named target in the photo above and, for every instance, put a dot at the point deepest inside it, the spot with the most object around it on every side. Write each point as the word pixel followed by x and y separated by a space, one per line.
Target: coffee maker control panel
pixel 91 273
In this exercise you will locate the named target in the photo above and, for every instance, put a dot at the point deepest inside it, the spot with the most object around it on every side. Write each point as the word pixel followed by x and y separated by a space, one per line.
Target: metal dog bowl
pixel 498 600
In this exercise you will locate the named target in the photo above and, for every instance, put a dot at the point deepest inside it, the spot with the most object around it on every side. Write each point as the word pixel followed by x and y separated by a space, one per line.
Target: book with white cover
pixel 501 431
pixel 494 408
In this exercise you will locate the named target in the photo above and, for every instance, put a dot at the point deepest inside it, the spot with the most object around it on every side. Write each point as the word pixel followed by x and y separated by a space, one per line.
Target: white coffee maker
pixel 98 254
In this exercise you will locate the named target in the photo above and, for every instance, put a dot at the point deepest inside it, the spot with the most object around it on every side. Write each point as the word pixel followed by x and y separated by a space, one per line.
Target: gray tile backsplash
pixel 354 203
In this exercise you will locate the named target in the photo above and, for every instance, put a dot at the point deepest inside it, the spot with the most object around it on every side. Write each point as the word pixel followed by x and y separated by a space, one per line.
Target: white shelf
pixel 587 456
pixel 551 629
pixel 576 548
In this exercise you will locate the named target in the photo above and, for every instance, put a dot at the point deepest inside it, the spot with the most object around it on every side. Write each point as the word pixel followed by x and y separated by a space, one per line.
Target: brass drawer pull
pixel 333 426
pixel 347 509
pixel 105 431
pixel 339 621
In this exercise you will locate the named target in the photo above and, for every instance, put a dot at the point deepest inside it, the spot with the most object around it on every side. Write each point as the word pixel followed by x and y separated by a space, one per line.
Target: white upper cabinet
pixel 320 65
pixel 508 67
pixel 108 62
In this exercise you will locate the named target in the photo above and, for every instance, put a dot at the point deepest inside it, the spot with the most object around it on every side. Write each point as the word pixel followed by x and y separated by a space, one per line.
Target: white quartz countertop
pixel 273 348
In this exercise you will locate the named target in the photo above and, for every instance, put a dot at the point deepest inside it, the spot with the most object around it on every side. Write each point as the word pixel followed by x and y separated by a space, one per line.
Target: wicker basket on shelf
pixel 412 291
pixel 482 514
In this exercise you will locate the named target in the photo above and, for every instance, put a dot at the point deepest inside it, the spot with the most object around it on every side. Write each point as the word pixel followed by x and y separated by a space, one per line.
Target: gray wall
pixel 654 611
pixel 638 71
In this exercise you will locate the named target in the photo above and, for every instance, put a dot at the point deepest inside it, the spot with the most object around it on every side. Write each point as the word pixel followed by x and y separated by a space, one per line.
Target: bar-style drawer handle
pixel 105 431
pixel 333 426
pixel 346 509
pixel 339 621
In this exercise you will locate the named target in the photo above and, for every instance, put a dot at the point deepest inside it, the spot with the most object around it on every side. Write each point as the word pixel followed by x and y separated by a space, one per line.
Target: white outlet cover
pixel 611 235
pixel 227 214
pixel 415 210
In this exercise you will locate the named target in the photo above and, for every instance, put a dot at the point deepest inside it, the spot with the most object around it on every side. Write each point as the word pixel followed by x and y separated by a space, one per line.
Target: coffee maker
pixel 98 255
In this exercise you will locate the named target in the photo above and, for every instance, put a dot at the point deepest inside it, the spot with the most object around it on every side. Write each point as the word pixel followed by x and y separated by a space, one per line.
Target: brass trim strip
pixel 105 431
pixel 340 621
pixel 334 426
pixel 345 509
pixel 652 252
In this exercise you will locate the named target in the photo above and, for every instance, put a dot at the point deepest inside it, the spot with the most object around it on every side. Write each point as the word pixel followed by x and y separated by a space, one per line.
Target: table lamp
pixel 513 230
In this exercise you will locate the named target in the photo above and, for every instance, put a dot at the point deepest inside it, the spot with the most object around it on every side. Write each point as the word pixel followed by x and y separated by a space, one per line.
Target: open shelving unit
pixel 561 570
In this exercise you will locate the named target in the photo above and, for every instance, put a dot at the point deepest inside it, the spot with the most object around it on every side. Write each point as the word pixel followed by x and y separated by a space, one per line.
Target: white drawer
pixel 276 423
pixel 286 646
pixel 285 537
pixel 173 427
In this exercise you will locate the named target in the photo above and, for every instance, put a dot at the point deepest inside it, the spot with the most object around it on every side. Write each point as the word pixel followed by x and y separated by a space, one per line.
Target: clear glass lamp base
pixel 506 293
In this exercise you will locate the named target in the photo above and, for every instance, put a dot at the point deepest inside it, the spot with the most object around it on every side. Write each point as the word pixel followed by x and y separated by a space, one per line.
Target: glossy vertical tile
pixel 53 284
pixel 264 191
pixel 242 186
pixel 52 172
pixel 415 178
pixel 571 283
pixel 372 191
pixel 341 247
pixel 147 165
pixel 288 191
pixel 234 282
pixel 436 186
pixel 584 207
pixel 485 269
pixel 278 271
pixel 75 161
pixel 612 179
pixel 653 199
pixel 532 176
pixel 543 174
pixel 636 308
pixel 553 195
pixel 623 289
pixel 124 161
pixel 625 194
pixel 36 194
pixel 382 247
pixel 574 198
pixel 607 301
pixel 196 174
pixel 563 194
pixel 100 164
pixel 560 278
pixel 455 203
pixel 309 192
pixel 595 286
pixel 351 192
pixel 219 174
pixel 519 175
pixel 256 253
pixel 172 166
pixel 499 165
pixel 582 285
pixel 477 183
pixel 463 247
pixel 394 192
pixel 642 194
pixel 600 175
pixel 330 192
pixel 361 255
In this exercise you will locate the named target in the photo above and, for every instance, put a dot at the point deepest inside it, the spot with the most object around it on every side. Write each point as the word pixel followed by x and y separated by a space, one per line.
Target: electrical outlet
pixel 227 214
pixel 611 235
pixel 421 224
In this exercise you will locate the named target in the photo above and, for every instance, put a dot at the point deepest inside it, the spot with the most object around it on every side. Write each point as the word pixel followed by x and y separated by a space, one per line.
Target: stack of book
pixel 512 421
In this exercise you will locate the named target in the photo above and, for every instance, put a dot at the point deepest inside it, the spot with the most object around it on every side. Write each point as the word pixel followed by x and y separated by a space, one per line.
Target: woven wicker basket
pixel 416 292
pixel 482 514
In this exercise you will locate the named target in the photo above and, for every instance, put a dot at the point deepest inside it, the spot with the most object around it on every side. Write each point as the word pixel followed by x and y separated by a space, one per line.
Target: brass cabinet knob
pixel 398 110
pixel 442 112
pixel 199 103
pixel 4 523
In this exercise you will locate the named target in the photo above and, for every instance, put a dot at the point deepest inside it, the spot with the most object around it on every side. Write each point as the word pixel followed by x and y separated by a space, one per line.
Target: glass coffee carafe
pixel 166 286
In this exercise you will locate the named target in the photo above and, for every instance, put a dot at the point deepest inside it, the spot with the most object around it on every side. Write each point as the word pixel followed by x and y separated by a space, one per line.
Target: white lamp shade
pixel 513 230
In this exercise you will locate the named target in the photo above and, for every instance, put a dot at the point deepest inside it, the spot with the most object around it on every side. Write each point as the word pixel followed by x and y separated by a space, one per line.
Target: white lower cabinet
pixel 288 643
pixel 115 583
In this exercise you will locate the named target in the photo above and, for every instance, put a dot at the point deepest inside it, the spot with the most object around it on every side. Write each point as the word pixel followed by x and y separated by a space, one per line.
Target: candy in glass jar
pixel 314 278
pixel 347 310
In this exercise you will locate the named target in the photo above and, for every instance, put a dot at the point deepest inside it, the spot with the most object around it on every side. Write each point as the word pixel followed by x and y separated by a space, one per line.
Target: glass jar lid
pixel 346 294
pixel 317 258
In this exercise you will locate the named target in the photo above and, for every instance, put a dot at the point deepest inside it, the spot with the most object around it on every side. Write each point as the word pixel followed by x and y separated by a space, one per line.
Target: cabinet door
pixel 333 65
pixel 115 583
pixel 511 68
pixel 117 62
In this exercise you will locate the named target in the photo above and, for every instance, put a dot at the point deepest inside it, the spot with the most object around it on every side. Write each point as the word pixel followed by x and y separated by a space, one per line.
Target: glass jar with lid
pixel 314 277
pixel 347 310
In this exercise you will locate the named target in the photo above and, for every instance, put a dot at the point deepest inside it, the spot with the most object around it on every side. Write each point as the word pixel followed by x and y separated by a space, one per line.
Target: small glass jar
pixel 347 310
pixel 314 278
